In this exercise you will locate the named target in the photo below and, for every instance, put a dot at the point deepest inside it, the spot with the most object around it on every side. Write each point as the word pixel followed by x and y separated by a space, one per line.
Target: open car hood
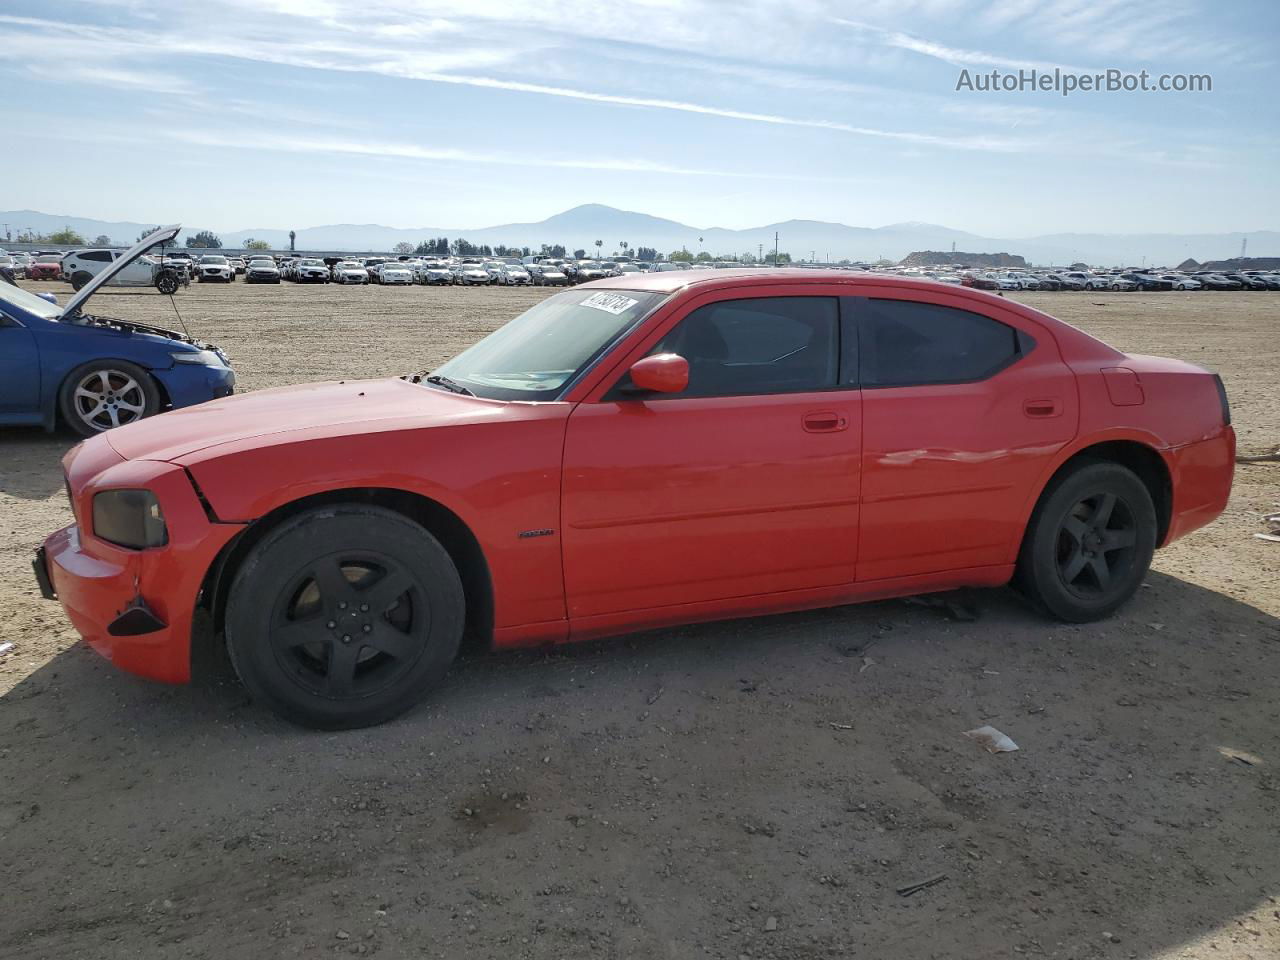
pixel 159 235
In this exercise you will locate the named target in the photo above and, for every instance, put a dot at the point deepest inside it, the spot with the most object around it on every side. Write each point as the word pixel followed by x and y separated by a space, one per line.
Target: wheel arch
pixel 53 401
pixel 446 526
pixel 1139 455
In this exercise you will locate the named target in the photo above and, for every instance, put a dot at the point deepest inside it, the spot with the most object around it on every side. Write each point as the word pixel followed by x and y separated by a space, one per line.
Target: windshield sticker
pixel 614 303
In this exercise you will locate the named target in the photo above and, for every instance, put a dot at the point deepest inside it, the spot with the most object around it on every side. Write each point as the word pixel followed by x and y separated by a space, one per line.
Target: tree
pixel 624 245
pixel 552 250
pixel 257 245
pixel 403 247
pixel 647 254
pixel 102 240
pixel 205 239
pixel 782 258
pixel 146 233
pixel 579 254
pixel 680 256
pixel 65 236
pixel 599 244
pixel 703 257
pixel 292 236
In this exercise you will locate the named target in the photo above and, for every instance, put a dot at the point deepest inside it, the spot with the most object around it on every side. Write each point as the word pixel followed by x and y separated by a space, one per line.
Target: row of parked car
pixel 168 270
pixel 428 271
pixel 1146 280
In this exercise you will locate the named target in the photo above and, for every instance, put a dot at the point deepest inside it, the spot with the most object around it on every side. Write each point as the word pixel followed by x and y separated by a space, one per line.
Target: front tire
pixel 1089 542
pixel 344 616
pixel 79 279
pixel 105 394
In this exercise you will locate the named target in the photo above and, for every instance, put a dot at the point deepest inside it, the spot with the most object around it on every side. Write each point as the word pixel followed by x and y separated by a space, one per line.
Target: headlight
pixel 203 358
pixel 129 518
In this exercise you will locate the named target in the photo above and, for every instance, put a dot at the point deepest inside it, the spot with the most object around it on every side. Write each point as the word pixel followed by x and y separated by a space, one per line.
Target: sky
pixel 293 113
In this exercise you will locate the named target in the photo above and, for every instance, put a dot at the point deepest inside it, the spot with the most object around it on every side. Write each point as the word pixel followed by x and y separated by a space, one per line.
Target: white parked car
pixel 514 275
pixel 1182 283
pixel 348 271
pixel 470 274
pixel 309 270
pixel 493 268
pixel 215 269
pixel 393 271
pixel 434 274
pixel 1120 283
pixel 81 266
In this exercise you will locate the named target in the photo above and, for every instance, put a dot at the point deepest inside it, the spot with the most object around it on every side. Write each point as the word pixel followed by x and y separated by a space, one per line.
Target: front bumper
pixel 98 583
pixel 189 384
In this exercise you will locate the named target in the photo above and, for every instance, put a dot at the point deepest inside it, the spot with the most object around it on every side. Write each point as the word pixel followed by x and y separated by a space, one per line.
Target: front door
pixel 746 483
pixel 19 369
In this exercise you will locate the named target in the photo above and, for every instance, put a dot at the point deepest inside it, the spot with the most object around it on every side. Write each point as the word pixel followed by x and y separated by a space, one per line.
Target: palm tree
pixel 599 244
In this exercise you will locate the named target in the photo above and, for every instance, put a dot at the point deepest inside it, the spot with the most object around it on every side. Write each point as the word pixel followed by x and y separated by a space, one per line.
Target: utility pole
pixel 775 248
pixel 760 251
pixel 1244 245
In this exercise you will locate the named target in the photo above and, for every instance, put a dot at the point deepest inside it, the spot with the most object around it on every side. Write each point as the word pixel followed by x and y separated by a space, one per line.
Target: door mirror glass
pixel 661 373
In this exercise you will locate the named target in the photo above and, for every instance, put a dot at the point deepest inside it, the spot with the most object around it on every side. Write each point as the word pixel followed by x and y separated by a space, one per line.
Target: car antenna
pixel 172 302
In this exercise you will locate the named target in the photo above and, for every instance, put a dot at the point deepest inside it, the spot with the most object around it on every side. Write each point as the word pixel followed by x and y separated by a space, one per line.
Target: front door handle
pixel 824 421
pixel 1047 407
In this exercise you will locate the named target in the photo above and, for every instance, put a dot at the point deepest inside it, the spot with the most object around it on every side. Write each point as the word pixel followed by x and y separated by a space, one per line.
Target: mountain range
pixel 581 226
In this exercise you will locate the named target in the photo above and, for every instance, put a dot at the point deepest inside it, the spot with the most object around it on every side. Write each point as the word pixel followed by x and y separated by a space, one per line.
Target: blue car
pixel 94 373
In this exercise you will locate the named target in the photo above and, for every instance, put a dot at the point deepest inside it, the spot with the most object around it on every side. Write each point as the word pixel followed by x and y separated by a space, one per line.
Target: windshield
pixel 537 353
pixel 49 259
pixel 311 263
pixel 216 261
pixel 17 297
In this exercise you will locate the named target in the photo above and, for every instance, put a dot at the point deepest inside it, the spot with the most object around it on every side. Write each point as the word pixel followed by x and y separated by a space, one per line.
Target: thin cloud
pixel 956 56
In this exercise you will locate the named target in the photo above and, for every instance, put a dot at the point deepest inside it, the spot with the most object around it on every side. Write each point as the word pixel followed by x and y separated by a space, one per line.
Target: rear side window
pixel 758 346
pixel 97 256
pixel 904 343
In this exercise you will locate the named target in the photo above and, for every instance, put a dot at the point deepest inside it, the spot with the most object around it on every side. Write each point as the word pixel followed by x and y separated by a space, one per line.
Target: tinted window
pixel 98 256
pixel 902 343
pixel 765 345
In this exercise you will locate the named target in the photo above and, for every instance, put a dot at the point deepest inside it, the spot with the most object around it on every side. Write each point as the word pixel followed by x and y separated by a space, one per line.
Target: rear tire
pixel 80 278
pixel 1089 542
pixel 344 616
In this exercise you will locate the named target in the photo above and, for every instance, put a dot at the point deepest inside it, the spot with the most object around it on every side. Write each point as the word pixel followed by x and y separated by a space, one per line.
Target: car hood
pixel 307 411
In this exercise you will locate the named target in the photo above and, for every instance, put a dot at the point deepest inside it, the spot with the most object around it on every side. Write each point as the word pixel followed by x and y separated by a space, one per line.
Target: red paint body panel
pixel 96 580
pixel 662 510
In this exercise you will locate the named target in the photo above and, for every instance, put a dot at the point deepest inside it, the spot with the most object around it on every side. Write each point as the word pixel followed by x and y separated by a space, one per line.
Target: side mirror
pixel 52 298
pixel 661 373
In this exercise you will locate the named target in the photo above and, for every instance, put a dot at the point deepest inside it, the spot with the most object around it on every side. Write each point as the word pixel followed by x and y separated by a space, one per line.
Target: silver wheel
pixel 108 398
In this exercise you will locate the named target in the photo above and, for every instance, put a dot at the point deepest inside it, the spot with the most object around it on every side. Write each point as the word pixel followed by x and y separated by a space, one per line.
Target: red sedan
pixel 638 452
pixel 47 266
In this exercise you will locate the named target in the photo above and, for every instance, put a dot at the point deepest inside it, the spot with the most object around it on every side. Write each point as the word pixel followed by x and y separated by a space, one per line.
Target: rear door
pixel 964 407
pixel 744 484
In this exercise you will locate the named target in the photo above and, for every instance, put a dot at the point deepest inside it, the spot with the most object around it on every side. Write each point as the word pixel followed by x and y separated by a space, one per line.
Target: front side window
pixel 906 343
pixel 538 353
pixel 758 346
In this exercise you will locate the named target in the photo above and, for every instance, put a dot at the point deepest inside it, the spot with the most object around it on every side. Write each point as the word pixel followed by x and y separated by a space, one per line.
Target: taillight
pixel 1222 399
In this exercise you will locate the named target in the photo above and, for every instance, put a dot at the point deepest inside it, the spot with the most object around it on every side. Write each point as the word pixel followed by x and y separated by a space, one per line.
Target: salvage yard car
pixel 261 270
pixel 348 271
pixel 47 266
pixel 215 268
pixel 93 373
pixel 641 452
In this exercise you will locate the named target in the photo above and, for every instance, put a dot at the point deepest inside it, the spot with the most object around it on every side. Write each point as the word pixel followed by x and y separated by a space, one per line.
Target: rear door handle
pixel 824 421
pixel 1047 407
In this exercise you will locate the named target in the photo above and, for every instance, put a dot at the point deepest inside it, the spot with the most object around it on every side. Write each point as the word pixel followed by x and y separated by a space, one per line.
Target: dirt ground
pixel 755 789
